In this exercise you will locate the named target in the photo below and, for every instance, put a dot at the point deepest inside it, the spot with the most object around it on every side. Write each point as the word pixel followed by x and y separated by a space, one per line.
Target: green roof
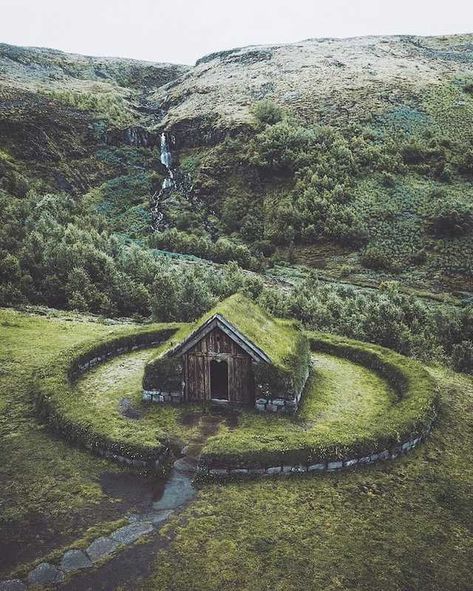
pixel 276 337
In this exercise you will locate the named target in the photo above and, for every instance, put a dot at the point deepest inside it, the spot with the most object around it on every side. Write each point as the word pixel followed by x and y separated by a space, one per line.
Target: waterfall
pixel 166 160
pixel 166 188
pixel 175 183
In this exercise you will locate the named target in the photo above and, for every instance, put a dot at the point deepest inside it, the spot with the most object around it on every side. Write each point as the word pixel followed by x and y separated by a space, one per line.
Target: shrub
pixel 267 112
pixel 450 218
pixel 462 356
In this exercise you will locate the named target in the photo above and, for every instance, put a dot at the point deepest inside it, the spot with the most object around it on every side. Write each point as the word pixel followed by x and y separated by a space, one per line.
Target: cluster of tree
pixel 223 250
pixel 53 252
pixel 387 317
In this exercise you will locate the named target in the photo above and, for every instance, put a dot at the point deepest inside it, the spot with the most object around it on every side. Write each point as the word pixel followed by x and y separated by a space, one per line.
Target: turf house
pixel 235 354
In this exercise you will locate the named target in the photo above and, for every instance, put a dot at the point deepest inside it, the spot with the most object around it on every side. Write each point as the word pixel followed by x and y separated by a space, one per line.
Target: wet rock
pixel 75 560
pixel 45 574
pixel 100 548
pixel 127 410
pixel 187 465
pixel 155 518
pixel 130 533
pixel 178 491
pixel 12 585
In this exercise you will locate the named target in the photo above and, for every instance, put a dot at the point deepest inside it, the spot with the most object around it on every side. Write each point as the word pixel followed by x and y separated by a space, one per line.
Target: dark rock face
pixel 135 136
pixel 202 131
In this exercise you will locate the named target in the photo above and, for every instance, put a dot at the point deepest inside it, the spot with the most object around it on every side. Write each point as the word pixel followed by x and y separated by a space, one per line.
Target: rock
pixel 75 560
pixel 130 533
pixel 101 547
pixel 186 464
pixel 155 518
pixel 316 467
pixel 45 574
pixel 12 585
pixel 334 465
pixel 273 470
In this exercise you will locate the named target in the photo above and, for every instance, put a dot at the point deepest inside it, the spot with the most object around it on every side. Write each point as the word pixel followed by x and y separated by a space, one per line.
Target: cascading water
pixel 166 160
pixel 175 183
pixel 166 187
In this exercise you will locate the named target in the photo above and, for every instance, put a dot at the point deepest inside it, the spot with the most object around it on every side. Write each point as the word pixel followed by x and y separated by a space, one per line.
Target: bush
pixel 462 356
pixel 267 112
pixel 450 218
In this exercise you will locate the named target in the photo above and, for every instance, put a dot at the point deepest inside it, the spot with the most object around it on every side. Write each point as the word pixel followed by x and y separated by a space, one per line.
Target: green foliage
pixel 222 250
pixel 267 112
pixel 450 218
pixel 410 414
pixel 110 105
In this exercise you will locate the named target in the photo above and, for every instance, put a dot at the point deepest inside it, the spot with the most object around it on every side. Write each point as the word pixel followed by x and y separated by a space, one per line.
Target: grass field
pixel 50 492
pixel 404 525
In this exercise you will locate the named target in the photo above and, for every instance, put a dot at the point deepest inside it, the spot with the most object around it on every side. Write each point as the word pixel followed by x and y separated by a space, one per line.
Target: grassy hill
pixel 353 158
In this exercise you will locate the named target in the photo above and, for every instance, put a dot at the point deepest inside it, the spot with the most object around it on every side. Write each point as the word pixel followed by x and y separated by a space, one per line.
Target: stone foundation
pixel 205 471
pixel 286 405
pixel 163 397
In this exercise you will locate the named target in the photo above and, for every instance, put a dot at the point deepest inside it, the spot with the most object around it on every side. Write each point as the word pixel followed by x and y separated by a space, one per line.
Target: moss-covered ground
pixel 99 395
pixel 341 397
pixel 50 492
pixel 400 525
pixel 403 525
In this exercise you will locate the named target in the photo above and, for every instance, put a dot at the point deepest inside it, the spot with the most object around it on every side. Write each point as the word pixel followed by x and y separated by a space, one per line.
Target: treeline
pixel 54 252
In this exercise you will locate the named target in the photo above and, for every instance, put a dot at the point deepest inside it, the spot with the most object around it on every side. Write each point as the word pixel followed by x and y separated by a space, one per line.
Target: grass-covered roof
pixel 276 337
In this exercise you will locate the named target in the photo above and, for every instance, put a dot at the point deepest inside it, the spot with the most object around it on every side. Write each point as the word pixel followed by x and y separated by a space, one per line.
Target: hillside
pixel 352 158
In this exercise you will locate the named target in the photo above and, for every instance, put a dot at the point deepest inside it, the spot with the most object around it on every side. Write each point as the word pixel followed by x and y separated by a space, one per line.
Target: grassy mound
pixel 282 340
pixel 361 400
pixel 404 409
pixel 60 403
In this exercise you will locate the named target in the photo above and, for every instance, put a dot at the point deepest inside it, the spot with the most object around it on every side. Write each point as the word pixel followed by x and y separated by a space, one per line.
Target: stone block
pixel 261 407
pixel 274 470
pixel 316 467
pixel 238 471
pixel 261 401
pixel 349 463
pixel 298 469
pixel 100 548
pixel 45 574
pixel 256 471
pixel 286 469
pixel 384 455
pixel 334 465
pixel 130 533
pixel 365 460
pixel 75 560
pixel 279 402
pixel 374 457
pixel 218 471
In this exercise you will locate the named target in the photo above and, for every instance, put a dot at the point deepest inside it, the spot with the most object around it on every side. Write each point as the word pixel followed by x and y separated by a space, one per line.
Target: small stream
pixel 152 502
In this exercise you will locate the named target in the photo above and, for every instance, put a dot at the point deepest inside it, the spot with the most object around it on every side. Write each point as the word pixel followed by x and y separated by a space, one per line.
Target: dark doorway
pixel 219 379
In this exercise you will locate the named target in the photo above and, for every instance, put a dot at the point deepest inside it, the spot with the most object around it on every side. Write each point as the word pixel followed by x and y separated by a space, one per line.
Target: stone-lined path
pixel 75 569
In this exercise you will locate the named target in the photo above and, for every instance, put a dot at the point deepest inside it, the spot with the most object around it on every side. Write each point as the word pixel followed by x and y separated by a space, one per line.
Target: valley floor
pixel 401 525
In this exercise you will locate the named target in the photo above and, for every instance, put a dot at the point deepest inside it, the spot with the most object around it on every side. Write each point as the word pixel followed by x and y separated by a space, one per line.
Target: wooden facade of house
pixel 217 364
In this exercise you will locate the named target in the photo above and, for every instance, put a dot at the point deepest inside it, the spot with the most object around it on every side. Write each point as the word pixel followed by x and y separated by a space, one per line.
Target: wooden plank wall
pixel 215 345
